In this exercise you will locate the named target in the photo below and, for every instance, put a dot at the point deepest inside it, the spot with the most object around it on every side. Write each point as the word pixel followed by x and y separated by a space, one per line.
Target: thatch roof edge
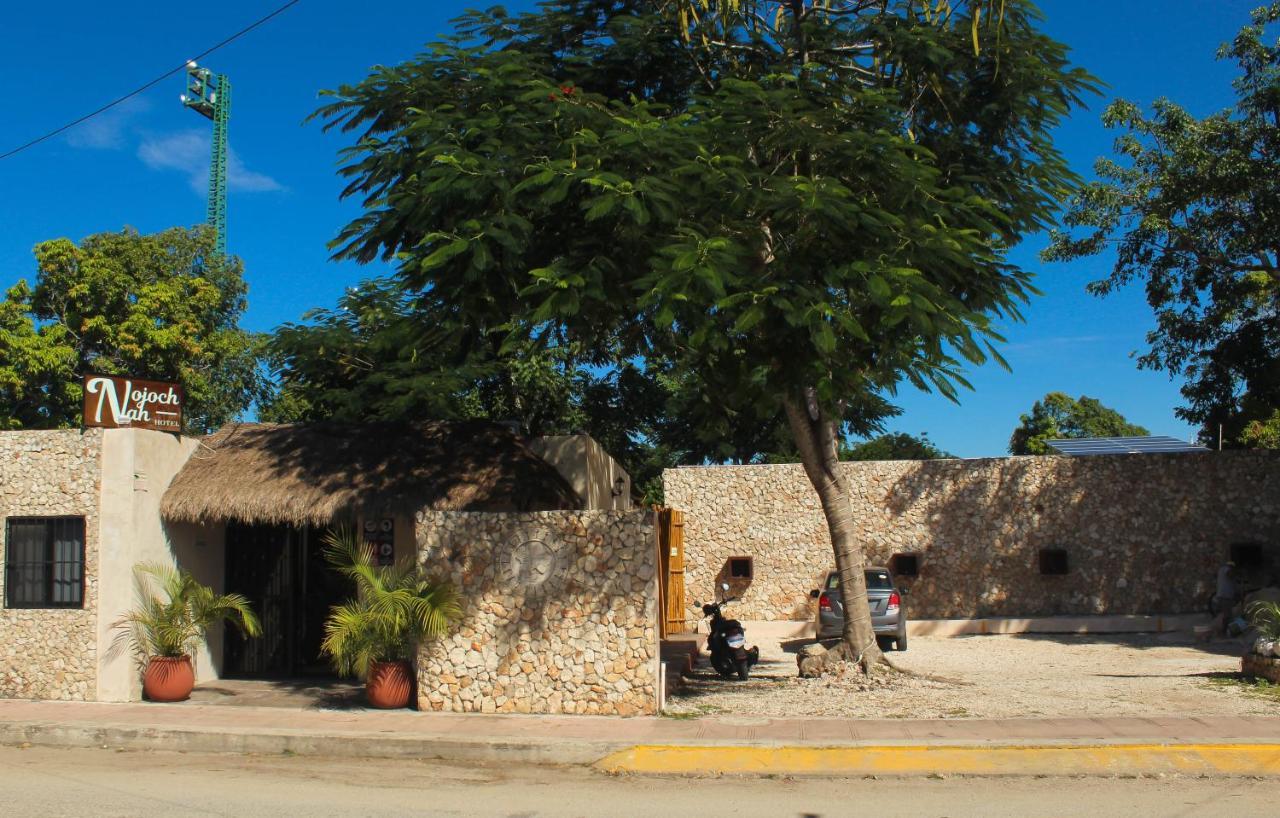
pixel 300 474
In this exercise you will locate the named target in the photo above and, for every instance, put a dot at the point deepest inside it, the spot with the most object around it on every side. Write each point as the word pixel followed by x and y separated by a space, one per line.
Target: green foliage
pixel 175 612
pixel 386 355
pixel 899 446
pixel 1191 207
pixel 374 357
pixel 825 212
pixel 163 306
pixel 1255 687
pixel 395 609
pixel 1262 434
pixel 1058 415
pixel 1264 615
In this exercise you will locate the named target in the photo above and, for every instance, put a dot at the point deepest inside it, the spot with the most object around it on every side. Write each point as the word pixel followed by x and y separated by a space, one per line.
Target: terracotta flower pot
pixel 390 685
pixel 168 679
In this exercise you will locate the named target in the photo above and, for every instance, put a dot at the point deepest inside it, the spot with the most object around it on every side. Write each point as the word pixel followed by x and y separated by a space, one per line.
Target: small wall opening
pixel 1248 556
pixel 905 565
pixel 741 568
pixel 1054 561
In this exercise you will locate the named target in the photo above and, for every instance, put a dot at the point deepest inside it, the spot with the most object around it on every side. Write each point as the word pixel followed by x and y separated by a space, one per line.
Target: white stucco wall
pixel 137 467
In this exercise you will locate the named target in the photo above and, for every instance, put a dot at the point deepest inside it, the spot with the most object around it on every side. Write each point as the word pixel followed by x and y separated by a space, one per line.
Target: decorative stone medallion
pixel 532 566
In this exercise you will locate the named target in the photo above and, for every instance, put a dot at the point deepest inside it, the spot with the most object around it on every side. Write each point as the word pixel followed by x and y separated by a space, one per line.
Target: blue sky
pixel 144 164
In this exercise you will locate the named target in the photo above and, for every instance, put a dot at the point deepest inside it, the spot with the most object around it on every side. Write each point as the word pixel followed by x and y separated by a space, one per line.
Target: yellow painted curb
pixel 1099 759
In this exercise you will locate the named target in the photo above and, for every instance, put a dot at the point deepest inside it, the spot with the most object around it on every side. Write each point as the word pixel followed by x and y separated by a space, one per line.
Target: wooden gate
pixel 671 566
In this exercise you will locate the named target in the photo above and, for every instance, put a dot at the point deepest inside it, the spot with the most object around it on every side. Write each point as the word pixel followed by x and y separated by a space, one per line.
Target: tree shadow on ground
pixel 297 693
pixel 1136 641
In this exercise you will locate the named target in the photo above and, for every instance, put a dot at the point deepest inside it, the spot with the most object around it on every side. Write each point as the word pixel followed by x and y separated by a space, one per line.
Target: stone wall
pixel 561 611
pixel 1143 533
pixel 51 653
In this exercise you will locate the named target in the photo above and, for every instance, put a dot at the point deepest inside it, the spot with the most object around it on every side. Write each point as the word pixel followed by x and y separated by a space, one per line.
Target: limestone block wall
pixel 561 612
pixel 1143 533
pixel 51 653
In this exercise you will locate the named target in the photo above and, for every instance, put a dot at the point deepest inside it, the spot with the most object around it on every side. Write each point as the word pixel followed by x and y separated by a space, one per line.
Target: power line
pixel 153 82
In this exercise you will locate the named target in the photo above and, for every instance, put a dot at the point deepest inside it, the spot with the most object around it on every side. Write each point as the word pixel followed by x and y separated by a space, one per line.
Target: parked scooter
pixel 727 642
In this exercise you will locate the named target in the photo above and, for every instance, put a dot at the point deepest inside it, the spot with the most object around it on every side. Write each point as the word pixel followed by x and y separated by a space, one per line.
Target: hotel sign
pixel 112 403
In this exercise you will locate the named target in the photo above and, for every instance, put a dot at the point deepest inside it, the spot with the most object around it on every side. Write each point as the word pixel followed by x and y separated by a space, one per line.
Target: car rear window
pixel 876 581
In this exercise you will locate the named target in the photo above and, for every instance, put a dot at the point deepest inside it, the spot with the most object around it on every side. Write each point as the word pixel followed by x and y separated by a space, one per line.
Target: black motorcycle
pixel 728 642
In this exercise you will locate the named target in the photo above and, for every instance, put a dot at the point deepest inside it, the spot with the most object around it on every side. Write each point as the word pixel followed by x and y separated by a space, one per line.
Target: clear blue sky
pixel 145 164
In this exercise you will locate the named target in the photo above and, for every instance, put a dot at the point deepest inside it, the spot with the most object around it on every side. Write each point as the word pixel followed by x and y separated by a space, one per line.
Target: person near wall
pixel 1224 597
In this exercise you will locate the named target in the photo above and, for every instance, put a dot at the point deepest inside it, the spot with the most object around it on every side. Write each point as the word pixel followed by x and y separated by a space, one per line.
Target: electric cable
pixel 150 84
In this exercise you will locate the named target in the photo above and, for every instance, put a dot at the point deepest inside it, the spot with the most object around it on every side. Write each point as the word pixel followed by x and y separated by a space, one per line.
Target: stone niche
pixel 560 612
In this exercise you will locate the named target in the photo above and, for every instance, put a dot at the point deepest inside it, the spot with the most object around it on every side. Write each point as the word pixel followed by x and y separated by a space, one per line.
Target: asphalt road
pixel 51 782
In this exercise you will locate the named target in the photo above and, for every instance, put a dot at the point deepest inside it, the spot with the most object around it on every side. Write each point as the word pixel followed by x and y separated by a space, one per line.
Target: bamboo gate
pixel 671 618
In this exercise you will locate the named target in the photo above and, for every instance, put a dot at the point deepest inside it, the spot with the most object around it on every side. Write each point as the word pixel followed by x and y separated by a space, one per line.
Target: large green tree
pixel 1191 208
pixel 794 205
pixel 163 306
pixel 1058 415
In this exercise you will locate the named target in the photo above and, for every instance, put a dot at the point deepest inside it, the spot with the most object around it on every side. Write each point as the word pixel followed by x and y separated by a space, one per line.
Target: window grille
pixel 44 562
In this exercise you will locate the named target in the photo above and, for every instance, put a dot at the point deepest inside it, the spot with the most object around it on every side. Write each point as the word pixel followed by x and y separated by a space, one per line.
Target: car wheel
pixel 744 669
pixel 901 642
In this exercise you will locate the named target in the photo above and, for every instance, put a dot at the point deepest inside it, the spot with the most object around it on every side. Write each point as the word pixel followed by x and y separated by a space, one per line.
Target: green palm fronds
pixel 1265 616
pixel 395 609
pixel 175 611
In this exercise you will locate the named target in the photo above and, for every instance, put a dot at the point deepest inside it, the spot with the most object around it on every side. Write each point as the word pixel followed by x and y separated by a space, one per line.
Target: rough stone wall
pixel 1143 533
pixel 51 653
pixel 577 637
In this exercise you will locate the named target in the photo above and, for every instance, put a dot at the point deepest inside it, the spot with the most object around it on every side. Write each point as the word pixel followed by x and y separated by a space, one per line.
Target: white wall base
pixel 1155 623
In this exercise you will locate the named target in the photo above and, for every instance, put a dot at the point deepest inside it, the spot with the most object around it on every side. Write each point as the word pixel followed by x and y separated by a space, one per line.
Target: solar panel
pixel 1152 444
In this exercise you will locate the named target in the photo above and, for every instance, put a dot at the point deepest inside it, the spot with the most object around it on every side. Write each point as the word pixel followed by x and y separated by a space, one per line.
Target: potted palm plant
pixel 376 634
pixel 172 619
pixel 1263 656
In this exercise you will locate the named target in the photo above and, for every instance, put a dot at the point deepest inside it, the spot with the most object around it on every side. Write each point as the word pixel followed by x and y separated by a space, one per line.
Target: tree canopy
pixel 1058 415
pixel 164 306
pixel 1191 207
pixel 380 356
pixel 792 212
pixel 897 446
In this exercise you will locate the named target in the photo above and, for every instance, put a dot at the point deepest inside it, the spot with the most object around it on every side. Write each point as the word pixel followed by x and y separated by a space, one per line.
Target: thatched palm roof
pixel 318 473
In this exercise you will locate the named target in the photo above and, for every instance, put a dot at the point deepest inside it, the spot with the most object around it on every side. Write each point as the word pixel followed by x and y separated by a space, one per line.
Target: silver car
pixel 888 609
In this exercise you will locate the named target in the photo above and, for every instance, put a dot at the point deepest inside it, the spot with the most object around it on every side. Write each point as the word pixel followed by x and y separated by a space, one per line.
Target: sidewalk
pixel 1112 746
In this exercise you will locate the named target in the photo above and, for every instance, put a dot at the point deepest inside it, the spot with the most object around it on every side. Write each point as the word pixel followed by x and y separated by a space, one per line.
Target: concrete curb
pixel 1107 760
pixel 1066 757
pixel 264 741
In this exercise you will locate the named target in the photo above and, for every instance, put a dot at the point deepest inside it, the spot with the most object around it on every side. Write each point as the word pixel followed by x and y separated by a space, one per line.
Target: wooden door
pixel 671 563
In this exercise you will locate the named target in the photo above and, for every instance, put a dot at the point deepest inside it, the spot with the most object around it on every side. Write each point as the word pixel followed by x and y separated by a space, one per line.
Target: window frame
pixel 49 561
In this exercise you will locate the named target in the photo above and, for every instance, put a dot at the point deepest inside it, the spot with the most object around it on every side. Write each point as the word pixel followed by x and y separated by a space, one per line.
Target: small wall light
pixel 619 486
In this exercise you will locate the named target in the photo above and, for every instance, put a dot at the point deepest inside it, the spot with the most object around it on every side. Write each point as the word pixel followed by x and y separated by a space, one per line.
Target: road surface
pixel 37 782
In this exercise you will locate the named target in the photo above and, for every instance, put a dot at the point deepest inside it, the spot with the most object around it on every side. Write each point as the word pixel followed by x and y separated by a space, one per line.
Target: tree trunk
pixel 817 437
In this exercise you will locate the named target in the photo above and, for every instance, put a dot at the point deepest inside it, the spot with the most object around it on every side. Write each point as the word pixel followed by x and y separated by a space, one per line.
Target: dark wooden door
pixel 283 573
pixel 262 565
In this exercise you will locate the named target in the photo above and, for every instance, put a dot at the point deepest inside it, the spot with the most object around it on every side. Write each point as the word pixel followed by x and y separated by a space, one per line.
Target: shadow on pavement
pixel 306 694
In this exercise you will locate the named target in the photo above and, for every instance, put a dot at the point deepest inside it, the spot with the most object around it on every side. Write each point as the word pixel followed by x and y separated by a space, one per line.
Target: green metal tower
pixel 210 95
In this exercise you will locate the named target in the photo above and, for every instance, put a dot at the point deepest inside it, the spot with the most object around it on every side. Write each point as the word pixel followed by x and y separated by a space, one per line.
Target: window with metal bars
pixel 44 562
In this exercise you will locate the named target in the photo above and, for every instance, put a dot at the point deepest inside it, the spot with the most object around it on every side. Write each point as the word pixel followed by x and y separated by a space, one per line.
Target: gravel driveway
pixel 1028 675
